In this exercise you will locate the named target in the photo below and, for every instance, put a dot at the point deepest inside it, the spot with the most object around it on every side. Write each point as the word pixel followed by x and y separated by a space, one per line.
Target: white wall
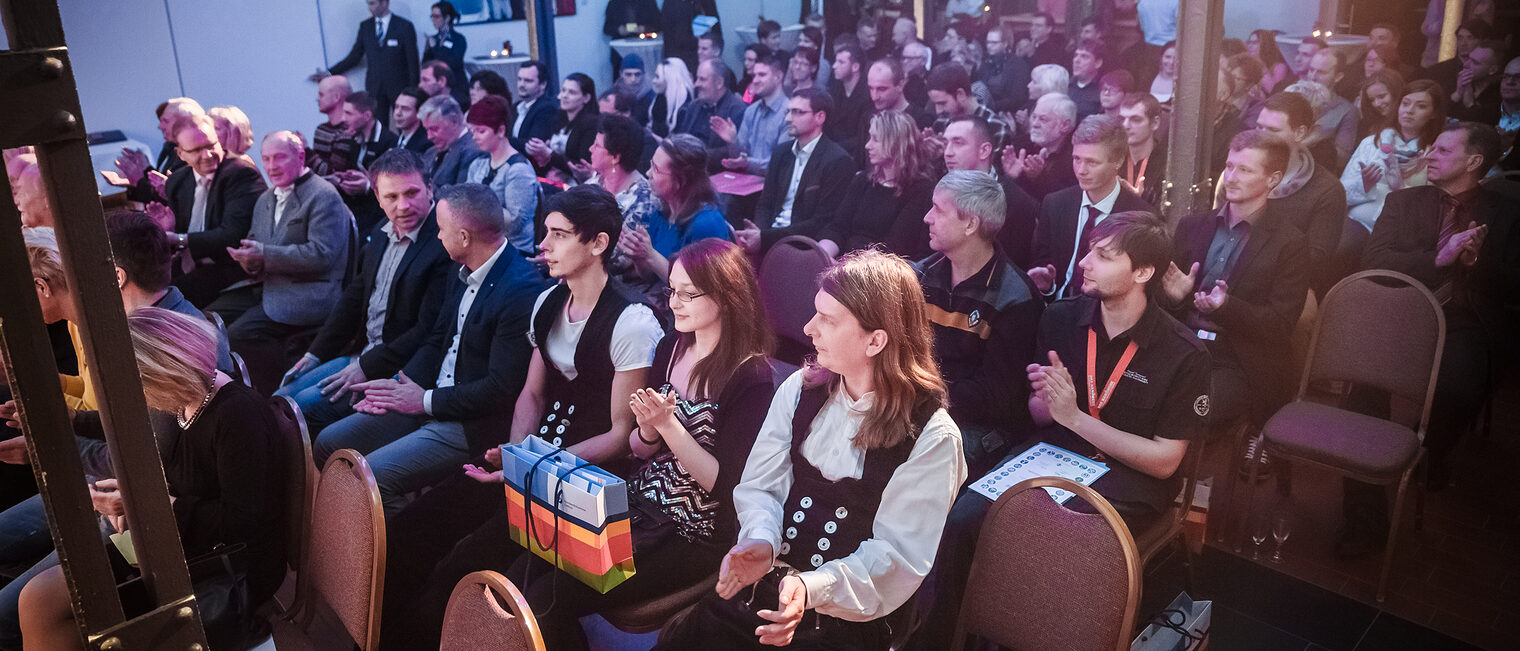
pixel 1241 17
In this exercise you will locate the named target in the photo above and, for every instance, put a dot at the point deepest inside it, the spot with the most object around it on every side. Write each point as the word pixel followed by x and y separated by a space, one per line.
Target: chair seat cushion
pixel 1344 439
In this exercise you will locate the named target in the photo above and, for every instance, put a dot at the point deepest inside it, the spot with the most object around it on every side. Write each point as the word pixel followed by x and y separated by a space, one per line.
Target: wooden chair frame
pixel 1171 522
pixel 508 595
pixel 298 542
pixel 359 466
pixel 1106 510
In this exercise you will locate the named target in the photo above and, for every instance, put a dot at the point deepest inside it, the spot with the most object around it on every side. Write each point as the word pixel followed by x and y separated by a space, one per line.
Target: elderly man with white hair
pixel 1042 163
pixel 448 160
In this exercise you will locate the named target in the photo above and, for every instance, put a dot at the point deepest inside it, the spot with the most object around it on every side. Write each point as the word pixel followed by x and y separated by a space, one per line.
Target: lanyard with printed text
pixel 1095 403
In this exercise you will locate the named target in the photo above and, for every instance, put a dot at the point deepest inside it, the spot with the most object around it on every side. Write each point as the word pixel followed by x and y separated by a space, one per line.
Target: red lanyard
pixel 1096 403
pixel 1138 182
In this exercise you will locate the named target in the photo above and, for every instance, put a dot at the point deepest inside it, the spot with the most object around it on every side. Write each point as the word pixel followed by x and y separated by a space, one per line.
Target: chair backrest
pixel 789 281
pixel 1027 589
pixel 345 560
pixel 1381 329
pixel 487 612
pixel 296 450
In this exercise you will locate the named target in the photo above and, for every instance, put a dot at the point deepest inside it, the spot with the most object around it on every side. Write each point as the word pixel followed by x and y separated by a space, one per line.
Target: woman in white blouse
pixel 846 490
pixel 1394 158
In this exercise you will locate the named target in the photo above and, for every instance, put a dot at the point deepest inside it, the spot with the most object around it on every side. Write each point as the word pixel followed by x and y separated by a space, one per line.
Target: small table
pixel 1350 45
pixel 504 66
pixel 651 50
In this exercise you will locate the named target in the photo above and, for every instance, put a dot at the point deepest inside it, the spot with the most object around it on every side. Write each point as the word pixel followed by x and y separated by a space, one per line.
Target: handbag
pixel 219 579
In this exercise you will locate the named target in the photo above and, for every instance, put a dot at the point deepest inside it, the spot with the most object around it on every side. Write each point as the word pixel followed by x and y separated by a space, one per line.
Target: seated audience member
pixel 1307 48
pixel 297 254
pixel 144 265
pixel 227 445
pixel 1394 157
pixel 1040 167
pixel 801 193
pixel 487 82
pixel 1469 34
pixel 1086 68
pixel 1277 74
pixel 537 112
pixel 631 79
pixel 1145 167
pixel 748 144
pixel 433 79
pixel 570 143
pixel 752 53
pixel 713 99
pixel 1309 194
pixel 331 91
pixel 134 165
pixel 1112 87
pixel 710 47
pixel 1045 45
pixel 1048 79
pixel 1244 74
pixel 802 69
pixel 1456 237
pixel 710 389
pixel 885 203
pixel 233 130
pixel 673 91
pixel 1509 108
pixel 504 170
pixel 30 193
pixel 413 432
pixel 367 139
pixel 1337 122
pixel 620 103
pixel 1164 85
pixel 984 311
pixel 950 93
pixel 915 63
pixel 1005 73
pixel 1245 285
pixel 614 155
pixel 768 32
pixel 871 408
pixel 1476 96
pixel 1068 217
pixel 593 343
pixel 1140 429
pixel 1301 108
pixel 968 146
pixel 874 35
pixel 885 81
pixel 58 301
pixel 453 149
pixel 388 309
pixel 1378 103
pixel 212 198
pixel 852 97
pixel 404 121
pixel 679 180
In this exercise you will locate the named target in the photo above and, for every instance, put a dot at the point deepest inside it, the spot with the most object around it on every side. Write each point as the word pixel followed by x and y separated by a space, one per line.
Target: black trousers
pixel 263 343
pixel 716 623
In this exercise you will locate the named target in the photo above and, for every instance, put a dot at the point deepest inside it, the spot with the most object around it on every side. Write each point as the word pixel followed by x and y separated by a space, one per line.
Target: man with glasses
pixel 804 185
pixel 915 63
pixel 212 198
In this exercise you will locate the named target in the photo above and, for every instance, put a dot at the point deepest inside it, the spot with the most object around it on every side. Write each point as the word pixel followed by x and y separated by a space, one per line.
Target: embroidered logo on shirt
pixel 1201 405
pixel 974 318
pixel 1136 377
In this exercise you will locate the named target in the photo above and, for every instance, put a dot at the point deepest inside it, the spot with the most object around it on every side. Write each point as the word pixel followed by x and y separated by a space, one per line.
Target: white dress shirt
pixel 885 570
pixel 382 25
pixel 803 152
pixel 198 209
pixel 1106 208
pixel 385 276
pixel 472 282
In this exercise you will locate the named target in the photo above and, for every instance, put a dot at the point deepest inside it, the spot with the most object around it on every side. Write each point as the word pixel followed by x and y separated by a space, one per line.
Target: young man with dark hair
pixel 1086 67
pixel 404 121
pixel 851 97
pixel 1310 194
pixel 751 141
pixel 592 340
pixel 144 267
pixel 1145 168
pixel 537 110
pixel 950 93
pixel 366 140
pixel 1145 397
pixel 968 146
pixel 434 80
pixel 803 185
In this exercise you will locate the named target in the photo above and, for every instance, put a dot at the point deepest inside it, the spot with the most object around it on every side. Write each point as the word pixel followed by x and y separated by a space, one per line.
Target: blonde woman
pixel 233 130
pixel 673 87
pixel 885 203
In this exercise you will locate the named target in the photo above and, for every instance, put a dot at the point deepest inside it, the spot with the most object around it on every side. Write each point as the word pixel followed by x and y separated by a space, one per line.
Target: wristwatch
pixel 181 242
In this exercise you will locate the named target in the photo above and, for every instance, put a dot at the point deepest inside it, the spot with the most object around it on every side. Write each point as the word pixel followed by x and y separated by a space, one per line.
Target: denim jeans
pixel 406 453
pixel 24 539
pixel 318 411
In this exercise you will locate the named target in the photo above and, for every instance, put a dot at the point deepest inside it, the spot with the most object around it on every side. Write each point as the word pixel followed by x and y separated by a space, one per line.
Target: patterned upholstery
pixel 487 612
pixel 1028 590
pixel 788 281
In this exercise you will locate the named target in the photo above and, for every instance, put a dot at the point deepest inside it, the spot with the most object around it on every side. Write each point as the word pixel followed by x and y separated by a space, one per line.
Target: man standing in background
pixel 388 46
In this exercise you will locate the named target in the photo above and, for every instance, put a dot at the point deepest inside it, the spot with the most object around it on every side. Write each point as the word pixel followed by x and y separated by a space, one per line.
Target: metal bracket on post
pixel 1200 26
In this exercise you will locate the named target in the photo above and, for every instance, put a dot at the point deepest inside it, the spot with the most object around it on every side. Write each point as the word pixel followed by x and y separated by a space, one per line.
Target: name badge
pixel 392 43
pixel 448 44
pixel 1205 335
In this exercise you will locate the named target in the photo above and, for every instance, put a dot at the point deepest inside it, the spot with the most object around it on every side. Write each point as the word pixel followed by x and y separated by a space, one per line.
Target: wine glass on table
pixel 1281 528
pixel 1258 536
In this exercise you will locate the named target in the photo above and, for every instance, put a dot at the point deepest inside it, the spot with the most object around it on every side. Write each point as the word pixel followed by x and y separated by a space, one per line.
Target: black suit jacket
pixel 229 206
pixel 1020 223
pixel 819 193
pixel 416 294
pixel 1267 288
pixel 542 119
pixel 354 154
pixel 390 65
pixel 419 143
pixel 1055 236
pixel 493 355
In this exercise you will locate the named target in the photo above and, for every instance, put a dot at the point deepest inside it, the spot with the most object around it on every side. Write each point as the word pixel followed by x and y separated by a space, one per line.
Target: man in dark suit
pixel 388 46
pixel 297 250
pixel 1067 217
pixel 133 164
pixel 448 160
pixel 415 432
pixel 388 308
pixel 367 139
pixel 537 109
pixel 805 181
pixel 406 124
pixel 212 199
pixel 1245 283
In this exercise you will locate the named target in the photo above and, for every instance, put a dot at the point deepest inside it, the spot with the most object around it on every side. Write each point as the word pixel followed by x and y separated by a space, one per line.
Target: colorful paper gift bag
pixel 568 512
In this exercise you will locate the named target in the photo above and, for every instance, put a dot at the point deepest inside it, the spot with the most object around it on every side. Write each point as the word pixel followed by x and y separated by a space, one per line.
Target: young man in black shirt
pixel 1145 396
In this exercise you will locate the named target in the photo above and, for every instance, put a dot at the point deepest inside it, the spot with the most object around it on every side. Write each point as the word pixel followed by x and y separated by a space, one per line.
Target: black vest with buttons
pixel 578 409
pixel 827 520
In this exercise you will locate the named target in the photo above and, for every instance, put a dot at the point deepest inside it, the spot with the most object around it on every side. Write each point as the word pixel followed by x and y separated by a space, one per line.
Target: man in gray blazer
pixel 298 250
pixel 448 161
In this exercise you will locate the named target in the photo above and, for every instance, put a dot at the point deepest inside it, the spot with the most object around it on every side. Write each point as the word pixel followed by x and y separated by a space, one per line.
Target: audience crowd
pixel 446 264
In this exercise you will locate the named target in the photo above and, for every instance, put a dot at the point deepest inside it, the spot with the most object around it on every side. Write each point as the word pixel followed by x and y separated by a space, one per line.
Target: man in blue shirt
pixel 764 124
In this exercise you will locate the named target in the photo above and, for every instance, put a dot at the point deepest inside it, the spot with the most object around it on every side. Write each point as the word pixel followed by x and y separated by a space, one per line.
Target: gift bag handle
pixel 555 500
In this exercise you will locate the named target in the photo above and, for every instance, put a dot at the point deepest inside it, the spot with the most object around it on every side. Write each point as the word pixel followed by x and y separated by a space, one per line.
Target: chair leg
pixel 1222 494
pixel 1393 534
pixel 1187 563
pixel 1245 516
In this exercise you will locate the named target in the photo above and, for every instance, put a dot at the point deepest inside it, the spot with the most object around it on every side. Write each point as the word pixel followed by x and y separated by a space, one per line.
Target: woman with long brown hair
pixel 678 176
pixel 1394 158
pixel 844 496
pixel 885 203
pixel 1379 102
pixel 711 387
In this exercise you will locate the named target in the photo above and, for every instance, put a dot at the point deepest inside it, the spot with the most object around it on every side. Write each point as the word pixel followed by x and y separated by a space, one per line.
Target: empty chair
pixel 1380 330
pixel 788 278
pixel 1059 600
pixel 344 576
pixel 302 476
pixel 487 612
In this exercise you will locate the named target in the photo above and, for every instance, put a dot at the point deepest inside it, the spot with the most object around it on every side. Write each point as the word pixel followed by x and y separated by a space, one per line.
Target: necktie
pixel 198 209
pixel 1075 284
pixel 280 199
pixel 379 29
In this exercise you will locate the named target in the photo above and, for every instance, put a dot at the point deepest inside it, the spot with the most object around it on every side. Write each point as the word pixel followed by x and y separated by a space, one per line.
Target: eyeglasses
pixel 686 297
pixel 1510 77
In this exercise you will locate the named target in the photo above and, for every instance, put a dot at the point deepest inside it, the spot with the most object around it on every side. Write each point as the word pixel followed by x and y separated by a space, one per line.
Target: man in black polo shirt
pixel 1151 381
pixel 984 311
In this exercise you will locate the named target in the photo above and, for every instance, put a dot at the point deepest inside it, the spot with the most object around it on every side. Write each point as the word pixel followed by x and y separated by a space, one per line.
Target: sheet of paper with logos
pixel 1041 460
